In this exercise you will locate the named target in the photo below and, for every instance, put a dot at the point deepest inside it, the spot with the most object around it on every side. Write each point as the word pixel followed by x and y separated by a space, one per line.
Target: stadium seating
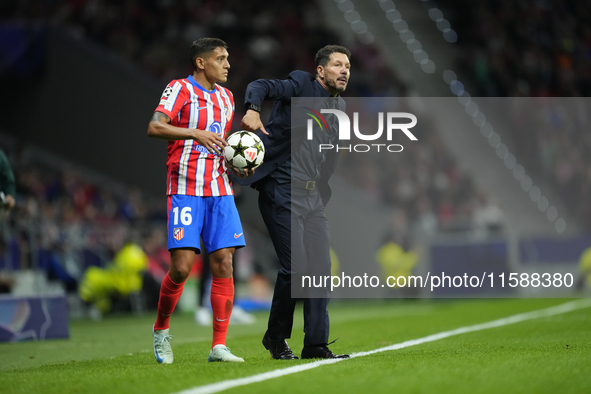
pixel 536 49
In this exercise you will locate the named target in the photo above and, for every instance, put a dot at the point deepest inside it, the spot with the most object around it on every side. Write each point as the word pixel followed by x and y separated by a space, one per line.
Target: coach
pixel 293 191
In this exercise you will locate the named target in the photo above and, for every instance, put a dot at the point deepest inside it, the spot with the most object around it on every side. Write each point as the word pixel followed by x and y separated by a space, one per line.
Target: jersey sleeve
pixel 231 98
pixel 229 116
pixel 172 100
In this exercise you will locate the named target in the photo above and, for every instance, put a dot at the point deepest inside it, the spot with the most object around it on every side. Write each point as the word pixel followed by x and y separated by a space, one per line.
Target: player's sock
pixel 170 293
pixel 222 296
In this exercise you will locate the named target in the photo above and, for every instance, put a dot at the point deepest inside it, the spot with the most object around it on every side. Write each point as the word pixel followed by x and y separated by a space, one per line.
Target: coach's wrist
pixel 253 112
pixel 253 107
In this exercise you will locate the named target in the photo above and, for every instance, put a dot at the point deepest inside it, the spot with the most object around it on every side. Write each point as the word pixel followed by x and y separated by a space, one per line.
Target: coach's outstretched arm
pixel 269 89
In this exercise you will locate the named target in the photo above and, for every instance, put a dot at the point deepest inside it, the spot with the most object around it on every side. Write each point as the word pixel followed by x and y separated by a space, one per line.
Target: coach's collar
pixel 323 92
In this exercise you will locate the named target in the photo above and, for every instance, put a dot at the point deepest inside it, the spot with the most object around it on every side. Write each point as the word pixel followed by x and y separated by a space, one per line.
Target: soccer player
pixel 194 115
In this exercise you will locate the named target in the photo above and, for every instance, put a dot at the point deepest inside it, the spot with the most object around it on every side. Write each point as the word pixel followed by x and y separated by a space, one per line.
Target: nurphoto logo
pixel 345 130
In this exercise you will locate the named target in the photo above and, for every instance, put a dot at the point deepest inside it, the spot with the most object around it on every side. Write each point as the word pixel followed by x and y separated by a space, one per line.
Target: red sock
pixel 170 293
pixel 222 296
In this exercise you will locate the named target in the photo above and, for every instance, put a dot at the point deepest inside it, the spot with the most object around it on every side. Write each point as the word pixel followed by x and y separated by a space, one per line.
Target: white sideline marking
pixel 555 310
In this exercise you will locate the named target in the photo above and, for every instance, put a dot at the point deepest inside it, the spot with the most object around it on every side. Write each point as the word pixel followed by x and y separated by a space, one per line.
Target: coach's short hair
pixel 204 45
pixel 323 55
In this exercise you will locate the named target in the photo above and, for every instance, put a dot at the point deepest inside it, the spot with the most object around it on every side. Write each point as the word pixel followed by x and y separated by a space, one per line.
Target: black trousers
pixel 299 231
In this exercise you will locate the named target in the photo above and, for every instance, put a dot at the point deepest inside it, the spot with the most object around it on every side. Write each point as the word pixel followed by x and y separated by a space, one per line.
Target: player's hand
pixel 240 173
pixel 213 142
pixel 252 122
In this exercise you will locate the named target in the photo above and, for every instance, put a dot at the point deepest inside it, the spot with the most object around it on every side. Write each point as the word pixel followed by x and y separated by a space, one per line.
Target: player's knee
pixel 179 275
pixel 179 272
pixel 181 263
pixel 221 267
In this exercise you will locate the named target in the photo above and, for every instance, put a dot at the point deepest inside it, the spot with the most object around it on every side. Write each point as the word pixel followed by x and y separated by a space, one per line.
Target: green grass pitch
pixel 545 355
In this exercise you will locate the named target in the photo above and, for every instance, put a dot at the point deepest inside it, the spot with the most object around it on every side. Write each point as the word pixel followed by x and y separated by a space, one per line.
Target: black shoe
pixel 279 349
pixel 320 352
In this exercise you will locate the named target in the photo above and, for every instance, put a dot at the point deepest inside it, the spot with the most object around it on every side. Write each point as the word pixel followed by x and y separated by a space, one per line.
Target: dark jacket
pixel 278 144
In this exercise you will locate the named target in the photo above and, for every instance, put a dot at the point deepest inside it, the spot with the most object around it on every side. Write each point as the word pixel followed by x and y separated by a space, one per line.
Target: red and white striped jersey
pixel 192 170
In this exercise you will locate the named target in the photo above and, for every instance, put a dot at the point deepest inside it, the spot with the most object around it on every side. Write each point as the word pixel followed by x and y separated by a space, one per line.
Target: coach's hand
pixel 210 140
pixel 252 122
pixel 240 173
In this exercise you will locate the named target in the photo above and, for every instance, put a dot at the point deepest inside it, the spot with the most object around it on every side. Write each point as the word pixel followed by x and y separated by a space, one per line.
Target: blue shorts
pixel 214 219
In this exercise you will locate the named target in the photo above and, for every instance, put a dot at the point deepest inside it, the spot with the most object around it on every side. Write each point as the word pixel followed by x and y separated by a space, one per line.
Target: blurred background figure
pixel 122 278
pixel 7 183
pixel 7 202
pixel 584 282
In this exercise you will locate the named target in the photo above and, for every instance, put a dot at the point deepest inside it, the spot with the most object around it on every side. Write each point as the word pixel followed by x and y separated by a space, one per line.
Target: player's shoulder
pixel 180 81
pixel 177 85
pixel 175 89
pixel 224 90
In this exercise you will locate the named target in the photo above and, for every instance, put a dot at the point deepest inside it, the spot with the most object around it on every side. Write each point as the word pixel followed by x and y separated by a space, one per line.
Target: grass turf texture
pixel 549 354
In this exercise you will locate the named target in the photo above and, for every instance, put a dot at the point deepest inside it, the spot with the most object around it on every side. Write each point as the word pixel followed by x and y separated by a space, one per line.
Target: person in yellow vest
pixel 395 262
pixel 585 267
pixel 122 277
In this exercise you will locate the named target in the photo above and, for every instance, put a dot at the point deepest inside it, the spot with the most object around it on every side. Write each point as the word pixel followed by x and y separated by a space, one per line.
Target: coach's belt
pixel 308 185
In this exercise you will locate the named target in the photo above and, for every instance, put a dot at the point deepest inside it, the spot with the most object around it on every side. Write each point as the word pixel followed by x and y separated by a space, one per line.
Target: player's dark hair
pixel 323 55
pixel 202 46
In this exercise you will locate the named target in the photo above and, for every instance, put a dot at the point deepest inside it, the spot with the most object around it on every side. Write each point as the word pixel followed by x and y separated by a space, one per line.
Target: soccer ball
pixel 245 150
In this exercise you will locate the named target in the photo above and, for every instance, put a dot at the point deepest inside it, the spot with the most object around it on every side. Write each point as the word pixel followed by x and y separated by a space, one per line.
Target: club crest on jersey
pixel 178 233
pixel 215 127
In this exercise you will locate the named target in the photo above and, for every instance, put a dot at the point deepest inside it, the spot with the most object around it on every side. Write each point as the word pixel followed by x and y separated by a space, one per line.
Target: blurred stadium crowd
pixel 513 51
pixel 66 220
pixel 266 40
pixel 526 48
pixel 537 48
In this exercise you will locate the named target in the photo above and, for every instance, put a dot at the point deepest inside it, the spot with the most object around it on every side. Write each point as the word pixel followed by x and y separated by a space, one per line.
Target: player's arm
pixel 160 127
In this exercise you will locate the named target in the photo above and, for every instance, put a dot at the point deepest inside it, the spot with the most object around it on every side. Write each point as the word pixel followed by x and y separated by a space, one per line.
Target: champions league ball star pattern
pixel 245 150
